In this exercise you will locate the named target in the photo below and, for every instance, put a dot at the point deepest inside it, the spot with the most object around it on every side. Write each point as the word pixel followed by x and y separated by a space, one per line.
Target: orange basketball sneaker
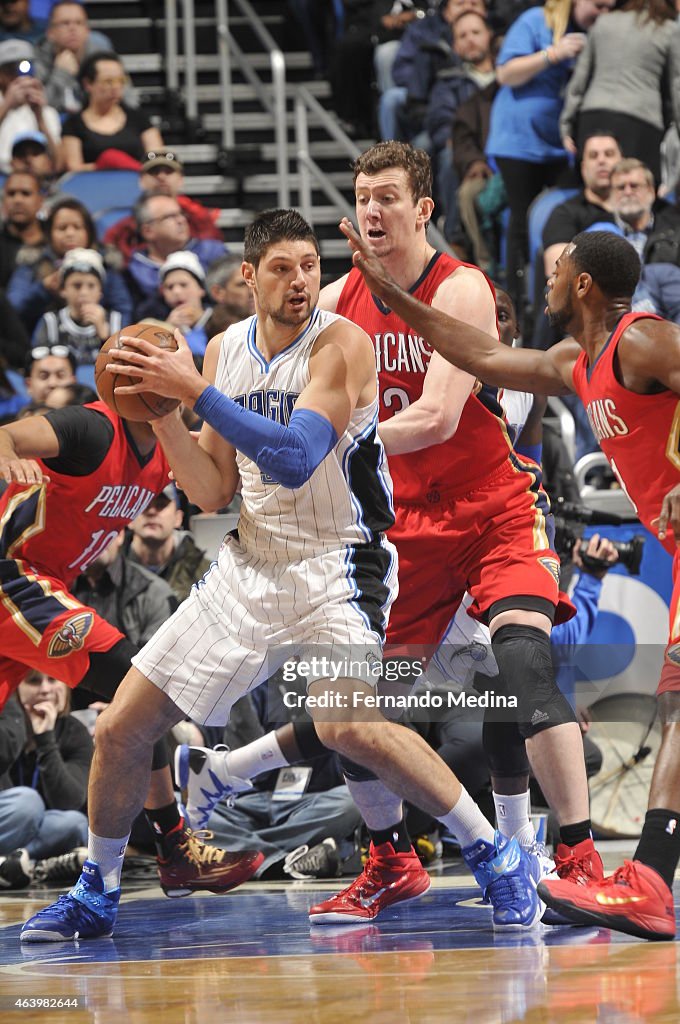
pixel 635 900
pixel 387 878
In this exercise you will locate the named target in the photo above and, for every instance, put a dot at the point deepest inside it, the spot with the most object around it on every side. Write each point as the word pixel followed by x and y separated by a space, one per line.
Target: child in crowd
pixel 180 302
pixel 83 323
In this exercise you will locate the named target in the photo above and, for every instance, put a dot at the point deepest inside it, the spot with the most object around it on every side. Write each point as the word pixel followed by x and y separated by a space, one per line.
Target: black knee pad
pixel 307 740
pixel 356 772
pixel 504 747
pixel 108 668
pixel 526 673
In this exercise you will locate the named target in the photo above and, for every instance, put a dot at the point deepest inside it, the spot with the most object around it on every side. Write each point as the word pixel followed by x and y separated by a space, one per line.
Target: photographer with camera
pixel 23 104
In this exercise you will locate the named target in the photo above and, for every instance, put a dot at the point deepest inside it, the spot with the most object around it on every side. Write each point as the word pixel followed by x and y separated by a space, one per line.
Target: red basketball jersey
pixel 639 434
pixel 60 527
pixel 480 444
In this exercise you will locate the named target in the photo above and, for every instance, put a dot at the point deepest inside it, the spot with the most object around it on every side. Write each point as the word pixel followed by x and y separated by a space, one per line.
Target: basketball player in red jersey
pixel 625 367
pixel 470 515
pixel 76 477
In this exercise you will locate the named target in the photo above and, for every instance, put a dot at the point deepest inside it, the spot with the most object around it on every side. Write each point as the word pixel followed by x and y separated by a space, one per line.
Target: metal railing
pixel 272 99
pixel 189 52
pixel 309 170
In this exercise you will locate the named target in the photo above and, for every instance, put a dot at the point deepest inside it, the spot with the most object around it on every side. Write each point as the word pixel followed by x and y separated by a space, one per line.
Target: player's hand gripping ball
pixel 146 405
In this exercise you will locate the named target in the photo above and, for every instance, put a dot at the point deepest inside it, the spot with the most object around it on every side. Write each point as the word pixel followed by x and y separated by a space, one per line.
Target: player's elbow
pixel 444 425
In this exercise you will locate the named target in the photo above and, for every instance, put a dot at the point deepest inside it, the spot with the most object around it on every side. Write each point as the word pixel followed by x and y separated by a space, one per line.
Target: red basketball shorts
pixel 43 627
pixel 492 542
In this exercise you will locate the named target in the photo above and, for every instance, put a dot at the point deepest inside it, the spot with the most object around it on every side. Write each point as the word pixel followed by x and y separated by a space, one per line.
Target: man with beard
pixel 625 368
pixel 310 572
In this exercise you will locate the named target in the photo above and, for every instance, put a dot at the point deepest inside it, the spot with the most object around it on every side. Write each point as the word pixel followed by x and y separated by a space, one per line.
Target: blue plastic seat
pixel 539 212
pixel 100 190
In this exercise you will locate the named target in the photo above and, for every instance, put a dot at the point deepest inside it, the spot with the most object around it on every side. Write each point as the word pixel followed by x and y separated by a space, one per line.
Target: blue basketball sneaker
pixel 508 879
pixel 87 912
pixel 204 779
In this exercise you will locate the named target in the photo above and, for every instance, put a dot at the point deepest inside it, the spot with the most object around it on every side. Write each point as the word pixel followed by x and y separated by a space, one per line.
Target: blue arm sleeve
pixel 289 455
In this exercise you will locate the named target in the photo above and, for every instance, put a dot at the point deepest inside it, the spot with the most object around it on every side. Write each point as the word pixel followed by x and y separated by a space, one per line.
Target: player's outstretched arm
pixel 23 442
pixel 460 343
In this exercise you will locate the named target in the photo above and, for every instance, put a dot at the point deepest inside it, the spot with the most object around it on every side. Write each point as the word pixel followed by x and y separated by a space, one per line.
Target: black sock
pixel 162 820
pixel 395 834
pixel 659 845
pixel 572 835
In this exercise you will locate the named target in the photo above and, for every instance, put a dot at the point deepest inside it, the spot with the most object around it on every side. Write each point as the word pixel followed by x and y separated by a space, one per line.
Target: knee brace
pixel 356 772
pixel 504 747
pixel 526 673
pixel 108 668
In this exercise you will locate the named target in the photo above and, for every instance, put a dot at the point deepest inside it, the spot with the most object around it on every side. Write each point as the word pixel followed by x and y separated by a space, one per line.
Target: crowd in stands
pixel 541 121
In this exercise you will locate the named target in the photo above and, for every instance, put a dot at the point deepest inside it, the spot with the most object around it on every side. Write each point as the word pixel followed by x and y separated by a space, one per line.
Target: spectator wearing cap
pixel 162 173
pixel 164 229
pixel 228 291
pixel 180 303
pixel 157 542
pixel 16 21
pixel 23 104
pixel 34 286
pixel 67 42
pixel 83 323
pixel 106 123
pixel 31 152
pixel 125 593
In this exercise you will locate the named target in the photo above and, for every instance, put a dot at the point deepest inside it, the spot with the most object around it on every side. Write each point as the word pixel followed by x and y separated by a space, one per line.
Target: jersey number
pixel 392 396
pixel 99 541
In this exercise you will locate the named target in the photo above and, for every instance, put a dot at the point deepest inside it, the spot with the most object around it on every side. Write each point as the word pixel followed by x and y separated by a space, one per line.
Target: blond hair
pixel 557 14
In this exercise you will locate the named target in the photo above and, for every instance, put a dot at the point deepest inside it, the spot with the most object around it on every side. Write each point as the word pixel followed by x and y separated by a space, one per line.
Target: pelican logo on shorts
pixel 553 567
pixel 673 654
pixel 71 636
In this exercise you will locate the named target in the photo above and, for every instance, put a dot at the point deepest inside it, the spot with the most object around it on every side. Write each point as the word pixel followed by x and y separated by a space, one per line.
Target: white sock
pixel 466 821
pixel 108 855
pixel 380 807
pixel 259 756
pixel 513 814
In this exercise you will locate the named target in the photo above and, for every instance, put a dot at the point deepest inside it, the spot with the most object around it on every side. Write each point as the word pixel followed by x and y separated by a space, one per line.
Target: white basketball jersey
pixel 516 406
pixel 348 498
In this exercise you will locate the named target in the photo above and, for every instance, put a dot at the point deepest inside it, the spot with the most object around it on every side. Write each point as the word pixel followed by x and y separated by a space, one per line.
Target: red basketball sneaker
pixel 387 878
pixel 579 864
pixel 635 900
pixel 190 865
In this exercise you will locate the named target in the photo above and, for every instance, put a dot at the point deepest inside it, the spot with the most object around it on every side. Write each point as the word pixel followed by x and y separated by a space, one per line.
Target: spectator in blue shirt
pixel 533 68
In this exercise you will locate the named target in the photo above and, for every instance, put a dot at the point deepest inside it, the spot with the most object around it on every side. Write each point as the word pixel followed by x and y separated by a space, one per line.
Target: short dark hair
pixel 385 155
pixel 611 261
pixel 71 203
pixel 272 226
pixel 599 133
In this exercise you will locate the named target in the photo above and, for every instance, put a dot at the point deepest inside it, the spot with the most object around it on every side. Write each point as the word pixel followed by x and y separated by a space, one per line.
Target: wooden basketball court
pixel 251 957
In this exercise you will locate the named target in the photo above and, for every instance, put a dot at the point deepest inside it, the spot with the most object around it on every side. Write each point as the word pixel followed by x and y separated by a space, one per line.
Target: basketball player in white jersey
pixel 291 417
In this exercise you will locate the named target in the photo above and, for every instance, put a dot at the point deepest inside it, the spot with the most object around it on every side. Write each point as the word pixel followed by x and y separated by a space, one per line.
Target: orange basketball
pixel 146 405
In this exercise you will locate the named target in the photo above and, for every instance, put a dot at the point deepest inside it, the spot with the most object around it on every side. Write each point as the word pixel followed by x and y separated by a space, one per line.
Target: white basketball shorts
pixel 250 614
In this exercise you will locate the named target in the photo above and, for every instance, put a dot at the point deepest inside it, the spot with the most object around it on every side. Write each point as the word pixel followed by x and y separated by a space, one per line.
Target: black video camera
pixel 568 518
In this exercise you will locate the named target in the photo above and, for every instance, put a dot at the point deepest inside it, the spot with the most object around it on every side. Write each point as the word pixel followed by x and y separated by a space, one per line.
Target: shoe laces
pixel 193 847
pixel 573 867
pixel 622 876
pixel 70 910
pixel 506 890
